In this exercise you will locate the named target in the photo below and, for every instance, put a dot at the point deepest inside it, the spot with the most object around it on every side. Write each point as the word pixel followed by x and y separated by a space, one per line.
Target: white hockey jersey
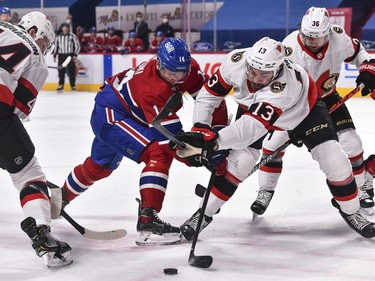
pixel 23 70
pixel 282 104
pixel 324 67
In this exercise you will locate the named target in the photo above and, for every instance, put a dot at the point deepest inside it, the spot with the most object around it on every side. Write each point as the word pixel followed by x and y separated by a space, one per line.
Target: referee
pixel 66 45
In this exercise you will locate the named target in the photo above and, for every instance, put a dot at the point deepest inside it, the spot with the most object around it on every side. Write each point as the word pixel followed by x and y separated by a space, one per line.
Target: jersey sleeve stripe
pixel 217 86
pixel 312 93
pixel 6 95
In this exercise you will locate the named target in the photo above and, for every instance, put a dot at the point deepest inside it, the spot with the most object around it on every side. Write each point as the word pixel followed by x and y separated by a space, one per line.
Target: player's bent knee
pixel 350 142
pixel 337 166
pixel 240 162
pixel 32 172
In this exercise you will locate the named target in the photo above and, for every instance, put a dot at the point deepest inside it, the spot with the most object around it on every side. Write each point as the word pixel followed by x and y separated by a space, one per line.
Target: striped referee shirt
pixel 67 44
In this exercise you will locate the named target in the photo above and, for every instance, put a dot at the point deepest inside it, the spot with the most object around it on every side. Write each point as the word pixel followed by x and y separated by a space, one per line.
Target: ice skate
pixel 368 185
pixel 366 202
pixel 262 201
pixel 153 231
pixel 357 222
pixel 189 227
pixel 55 253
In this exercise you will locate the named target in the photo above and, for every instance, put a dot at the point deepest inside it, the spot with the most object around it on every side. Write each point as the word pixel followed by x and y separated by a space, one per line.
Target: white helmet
pixel 44 27
pixel 315 23
pixel 266 55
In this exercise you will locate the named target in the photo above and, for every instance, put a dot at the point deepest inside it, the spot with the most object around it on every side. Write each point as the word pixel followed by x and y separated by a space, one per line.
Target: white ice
pixel 300 237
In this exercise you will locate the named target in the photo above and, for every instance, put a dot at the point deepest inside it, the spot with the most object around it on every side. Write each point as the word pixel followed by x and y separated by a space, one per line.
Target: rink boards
pixel 94 68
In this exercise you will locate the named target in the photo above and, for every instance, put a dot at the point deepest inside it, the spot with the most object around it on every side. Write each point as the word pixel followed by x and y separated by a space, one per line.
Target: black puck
pixel 170 271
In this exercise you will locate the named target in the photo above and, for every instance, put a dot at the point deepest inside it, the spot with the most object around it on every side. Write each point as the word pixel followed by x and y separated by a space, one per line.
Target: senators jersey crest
pixel 277 87
pixel 236 57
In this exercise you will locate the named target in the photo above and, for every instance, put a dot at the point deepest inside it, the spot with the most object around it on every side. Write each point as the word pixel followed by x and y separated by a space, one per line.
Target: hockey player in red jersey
pixel 22 75
pixel 121 120
pixel 273 94
pixel 320 48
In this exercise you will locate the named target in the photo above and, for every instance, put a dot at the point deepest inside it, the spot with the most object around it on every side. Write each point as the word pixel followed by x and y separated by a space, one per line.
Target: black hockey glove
pixel 295 139
pixel 367 76
pixel 194 161
pixel 206 141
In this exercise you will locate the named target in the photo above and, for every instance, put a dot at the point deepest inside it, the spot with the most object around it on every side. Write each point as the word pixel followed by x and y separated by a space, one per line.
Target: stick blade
pixel 200 261
pixel 105 235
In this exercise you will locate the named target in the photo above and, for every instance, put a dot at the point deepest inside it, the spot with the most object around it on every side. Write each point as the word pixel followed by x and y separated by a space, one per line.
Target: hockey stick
pixel 171 104
pixel 63 65
pixel 201 261
pixel 90 234
pixel 174 100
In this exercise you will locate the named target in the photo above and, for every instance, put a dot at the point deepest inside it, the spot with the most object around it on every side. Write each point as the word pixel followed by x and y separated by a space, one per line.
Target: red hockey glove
pixel 367 76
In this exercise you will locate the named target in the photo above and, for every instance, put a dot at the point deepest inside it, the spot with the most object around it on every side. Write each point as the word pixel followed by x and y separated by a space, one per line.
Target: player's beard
pixel 256 86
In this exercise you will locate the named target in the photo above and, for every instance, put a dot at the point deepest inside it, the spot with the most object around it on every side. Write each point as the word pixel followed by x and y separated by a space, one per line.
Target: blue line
pixel 107 66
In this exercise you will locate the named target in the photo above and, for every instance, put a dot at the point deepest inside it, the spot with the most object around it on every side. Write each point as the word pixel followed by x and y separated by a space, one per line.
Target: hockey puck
pixel 170 271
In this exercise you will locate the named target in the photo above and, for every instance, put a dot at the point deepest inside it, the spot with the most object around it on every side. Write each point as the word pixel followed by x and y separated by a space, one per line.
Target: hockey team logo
pixel 80 69
pixel 337 29
pixel 326 82
pixel 277 87
pixel 288 51
pixel 236 57
pixel 169 47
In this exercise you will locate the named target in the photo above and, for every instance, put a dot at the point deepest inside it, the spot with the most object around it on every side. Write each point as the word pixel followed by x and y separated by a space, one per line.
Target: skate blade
pixel 53 262
pixel 149 239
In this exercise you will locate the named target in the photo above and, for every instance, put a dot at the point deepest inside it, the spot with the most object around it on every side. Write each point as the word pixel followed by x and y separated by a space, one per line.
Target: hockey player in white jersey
pixel 22 76
pixel 273 94
pixel 320 48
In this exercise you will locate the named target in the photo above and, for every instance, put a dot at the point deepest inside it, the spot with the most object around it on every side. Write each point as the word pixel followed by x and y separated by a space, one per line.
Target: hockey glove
pixel 206 141
pixel 295 139
pixel 202 128
pixel 367 76
pixel 194 161
pixel 215 161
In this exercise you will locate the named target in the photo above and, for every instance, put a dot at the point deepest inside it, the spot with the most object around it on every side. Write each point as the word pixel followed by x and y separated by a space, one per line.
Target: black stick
pixel 171 104
pixel 201 261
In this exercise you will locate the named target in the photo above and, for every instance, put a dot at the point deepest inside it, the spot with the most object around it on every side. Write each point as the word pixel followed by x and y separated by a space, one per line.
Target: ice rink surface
pixel 300 237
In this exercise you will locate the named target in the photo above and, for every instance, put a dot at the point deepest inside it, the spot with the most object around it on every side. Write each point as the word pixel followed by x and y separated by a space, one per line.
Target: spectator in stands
pixel 92 43
pixel 133 45
pixel 72 25
pixel 141 29
pixel 80 32
pixel 111 41
pixel 155 43
pixel 5 14
pixel 165 27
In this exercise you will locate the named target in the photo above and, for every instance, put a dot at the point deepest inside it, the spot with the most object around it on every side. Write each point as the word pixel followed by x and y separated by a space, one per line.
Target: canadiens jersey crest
pixel 236 57
pixel 277 87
